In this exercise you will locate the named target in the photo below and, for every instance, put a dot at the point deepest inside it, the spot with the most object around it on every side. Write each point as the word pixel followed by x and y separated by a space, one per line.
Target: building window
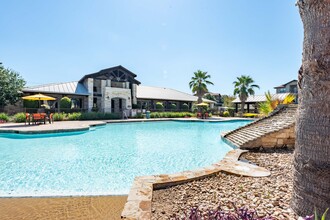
pixel 282 90
pixel 293 89
pixel 94 89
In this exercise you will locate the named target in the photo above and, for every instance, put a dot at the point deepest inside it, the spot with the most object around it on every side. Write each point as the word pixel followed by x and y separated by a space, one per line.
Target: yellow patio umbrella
pixel 39 97
pixel 203 104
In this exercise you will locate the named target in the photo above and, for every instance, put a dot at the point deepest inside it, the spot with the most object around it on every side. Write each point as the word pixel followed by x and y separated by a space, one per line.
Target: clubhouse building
pixel 114 90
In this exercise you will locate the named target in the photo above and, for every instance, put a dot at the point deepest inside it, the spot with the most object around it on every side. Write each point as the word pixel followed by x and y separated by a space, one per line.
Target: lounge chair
pixel 39 117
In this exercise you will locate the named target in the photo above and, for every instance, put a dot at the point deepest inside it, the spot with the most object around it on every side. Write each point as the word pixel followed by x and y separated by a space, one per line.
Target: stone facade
pixel 89 85
pixel 285 137
pixel 111 90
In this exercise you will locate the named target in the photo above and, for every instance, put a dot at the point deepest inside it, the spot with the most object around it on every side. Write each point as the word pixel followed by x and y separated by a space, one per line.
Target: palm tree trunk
pixel 242 107
pixel 200 99
pixel 312 154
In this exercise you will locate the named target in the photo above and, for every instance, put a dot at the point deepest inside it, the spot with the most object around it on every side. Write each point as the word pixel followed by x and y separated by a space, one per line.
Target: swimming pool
pixel 104 161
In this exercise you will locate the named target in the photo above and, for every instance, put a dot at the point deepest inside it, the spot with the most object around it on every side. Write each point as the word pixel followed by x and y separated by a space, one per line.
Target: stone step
pixel 235 141
pixel 241 136
pixel 282 118
pixel 252 134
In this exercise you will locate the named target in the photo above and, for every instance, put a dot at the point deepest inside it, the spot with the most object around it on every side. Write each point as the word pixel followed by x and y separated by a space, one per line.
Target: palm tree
pixel 311 164
pixel 243 88
pixel 199 83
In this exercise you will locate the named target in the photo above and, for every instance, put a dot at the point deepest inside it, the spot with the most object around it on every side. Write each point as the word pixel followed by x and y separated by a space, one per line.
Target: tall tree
pixel 11 85
pixel 311 187
pixel 243 88
pixel 228 100
pixel 199 83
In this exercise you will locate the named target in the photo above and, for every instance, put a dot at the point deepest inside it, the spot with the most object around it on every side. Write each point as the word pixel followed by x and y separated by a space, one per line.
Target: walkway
pixel 63 126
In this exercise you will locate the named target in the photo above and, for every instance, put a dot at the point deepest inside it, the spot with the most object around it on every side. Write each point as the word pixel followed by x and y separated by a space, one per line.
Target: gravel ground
pixel 268 195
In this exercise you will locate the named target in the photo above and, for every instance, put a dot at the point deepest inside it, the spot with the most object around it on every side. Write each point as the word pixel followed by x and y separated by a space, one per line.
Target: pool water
pixel 105 160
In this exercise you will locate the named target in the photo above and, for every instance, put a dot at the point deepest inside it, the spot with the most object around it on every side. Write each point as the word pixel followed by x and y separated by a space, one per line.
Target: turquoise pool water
pixel 104 161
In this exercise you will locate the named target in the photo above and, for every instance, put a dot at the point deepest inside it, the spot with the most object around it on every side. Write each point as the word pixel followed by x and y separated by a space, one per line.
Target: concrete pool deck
pixel 76 208
pixel 65 126
pixel 58 126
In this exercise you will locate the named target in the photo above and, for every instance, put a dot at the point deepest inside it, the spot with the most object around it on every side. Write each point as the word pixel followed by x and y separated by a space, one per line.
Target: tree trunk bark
pixel 242 107
pixel 311 187
pixel 199 100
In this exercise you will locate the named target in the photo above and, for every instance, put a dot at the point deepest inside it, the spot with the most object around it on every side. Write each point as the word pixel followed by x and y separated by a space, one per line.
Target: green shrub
pixel 170 114
pixel 59 116
pixel 65 102
pixel 231 112
pixel 111 116
pixel 159 106
pixel 185 107
pixel 99 116
pixel 19 117
pixel 194 108
pixel 139 115
pixel 74 116
pixel 4 117
pixel 226 114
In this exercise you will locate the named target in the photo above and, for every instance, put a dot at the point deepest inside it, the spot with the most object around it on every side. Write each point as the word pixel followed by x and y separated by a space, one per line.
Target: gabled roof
pixel 159 93
pixel 105 72
pixel 284 85
pixel 74 88
pixel 262 98
pixel 213 93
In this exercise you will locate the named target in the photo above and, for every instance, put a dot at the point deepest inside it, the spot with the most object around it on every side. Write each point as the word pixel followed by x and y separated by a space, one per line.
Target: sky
pixel 162 41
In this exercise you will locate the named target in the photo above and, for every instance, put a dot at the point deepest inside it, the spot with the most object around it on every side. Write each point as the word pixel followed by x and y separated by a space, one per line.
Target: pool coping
pixel 86 125
pixel 138 205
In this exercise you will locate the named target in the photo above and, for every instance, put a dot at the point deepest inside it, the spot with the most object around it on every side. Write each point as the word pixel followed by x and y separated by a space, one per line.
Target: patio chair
pixel 36 117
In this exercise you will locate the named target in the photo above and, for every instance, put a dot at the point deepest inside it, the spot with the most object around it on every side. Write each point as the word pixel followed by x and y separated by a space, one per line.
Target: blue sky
pixel 163 42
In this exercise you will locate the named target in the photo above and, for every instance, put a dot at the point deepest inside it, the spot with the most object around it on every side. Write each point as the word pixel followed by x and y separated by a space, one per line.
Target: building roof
pixel 159 93
pixel 284 85
pixel 262 98
pixel 105 74
pixel 214 93
pixel 74 88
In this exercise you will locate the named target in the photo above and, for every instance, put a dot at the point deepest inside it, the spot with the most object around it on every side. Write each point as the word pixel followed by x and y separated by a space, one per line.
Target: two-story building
pixel 289 87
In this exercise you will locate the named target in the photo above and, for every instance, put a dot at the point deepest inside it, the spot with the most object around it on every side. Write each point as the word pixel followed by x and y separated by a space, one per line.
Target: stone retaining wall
pixel 284 137
pixel 138 205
